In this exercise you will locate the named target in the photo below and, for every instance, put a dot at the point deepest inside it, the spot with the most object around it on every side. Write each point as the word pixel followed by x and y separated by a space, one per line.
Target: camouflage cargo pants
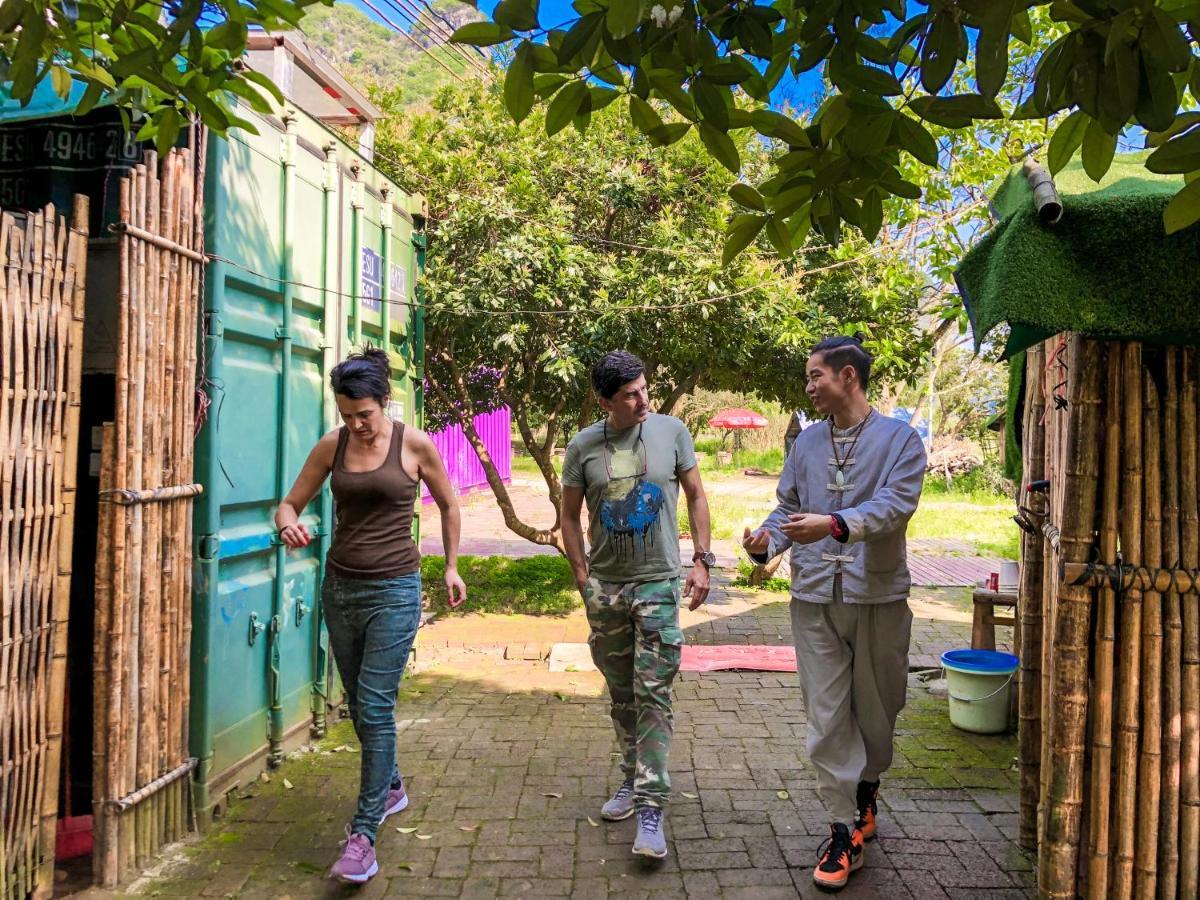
pixel 636 642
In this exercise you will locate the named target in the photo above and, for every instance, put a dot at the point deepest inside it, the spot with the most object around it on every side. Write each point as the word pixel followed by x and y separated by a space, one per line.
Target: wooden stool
pixel 985 620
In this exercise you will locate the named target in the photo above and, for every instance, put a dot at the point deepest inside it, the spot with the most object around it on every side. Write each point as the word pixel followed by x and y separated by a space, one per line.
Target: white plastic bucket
pixel 980 685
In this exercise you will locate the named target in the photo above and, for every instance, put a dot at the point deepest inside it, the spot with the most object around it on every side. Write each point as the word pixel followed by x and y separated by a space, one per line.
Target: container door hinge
pixel 282 334
pixel 209 546
pixel 213 326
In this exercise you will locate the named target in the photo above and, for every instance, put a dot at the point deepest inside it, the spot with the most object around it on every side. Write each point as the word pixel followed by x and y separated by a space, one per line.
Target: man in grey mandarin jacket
pixel 848 488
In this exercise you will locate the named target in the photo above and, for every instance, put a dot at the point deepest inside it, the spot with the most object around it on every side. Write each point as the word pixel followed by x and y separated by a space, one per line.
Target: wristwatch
pixel 705 556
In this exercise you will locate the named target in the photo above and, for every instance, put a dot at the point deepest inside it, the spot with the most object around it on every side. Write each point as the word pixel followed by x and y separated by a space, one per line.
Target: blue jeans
pixel 372 625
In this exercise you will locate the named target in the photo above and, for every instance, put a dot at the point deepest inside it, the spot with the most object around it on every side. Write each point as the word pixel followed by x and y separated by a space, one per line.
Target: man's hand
pixel 757 542
pixel 456 588
pixel 696 586
pixel 806 528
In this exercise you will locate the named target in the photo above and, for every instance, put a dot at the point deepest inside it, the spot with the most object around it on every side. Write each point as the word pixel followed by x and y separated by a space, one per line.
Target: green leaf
pixel 769 123
pixel 624 17
pixel 1184 209
pixel 666 83
pixel 518 84
pixel 564 107
pixel 1098 149
pixel 544 86
pixel 60 78
pixel 727 72
pixel 1066 140
pixel 264 82
pixel 711 102
pixel 991 48
pixel 957 111
pixel 482 34
pixel 779 236
pixel 872 215
pixel 812 55
pixel 229 35
pixel 1177 156
pixel 1022 27
pixel 666 135
pixel 644 116
pixel 748 196
pixel 1158 97
pixel 1182 123
pixel 832 117
pixel 916 139
pixel 742 230
pixel 520 15
pixel 791 200
pixel 865 78
pixel 940 54
pixel 601 97
pixel 89 100
pixel 721 146
pixel 1163 39
pixel 577 38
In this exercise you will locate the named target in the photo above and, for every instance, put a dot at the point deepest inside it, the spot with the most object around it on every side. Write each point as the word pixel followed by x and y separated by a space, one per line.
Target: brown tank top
pixel 373 512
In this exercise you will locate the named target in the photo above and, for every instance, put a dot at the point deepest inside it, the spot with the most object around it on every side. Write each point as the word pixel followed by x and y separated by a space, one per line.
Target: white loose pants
pixel 853 665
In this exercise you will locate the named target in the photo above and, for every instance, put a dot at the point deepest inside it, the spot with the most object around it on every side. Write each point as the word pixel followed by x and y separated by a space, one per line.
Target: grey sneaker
pixel 621 805
pixel 397 801
pixel 357 863
pixel 650 840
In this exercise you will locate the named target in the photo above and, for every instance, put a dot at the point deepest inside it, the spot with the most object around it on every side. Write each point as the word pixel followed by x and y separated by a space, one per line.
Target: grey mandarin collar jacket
pixel 882 484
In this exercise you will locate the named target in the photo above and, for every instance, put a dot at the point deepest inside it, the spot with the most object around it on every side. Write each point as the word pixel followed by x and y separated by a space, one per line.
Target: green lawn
pixel 985 521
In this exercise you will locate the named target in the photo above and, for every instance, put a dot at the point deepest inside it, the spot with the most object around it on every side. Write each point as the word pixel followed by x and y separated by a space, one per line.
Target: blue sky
pixel 799 92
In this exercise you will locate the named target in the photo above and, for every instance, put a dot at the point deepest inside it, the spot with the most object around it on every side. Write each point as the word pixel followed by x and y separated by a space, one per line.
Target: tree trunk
pixel 551 537
pixel 677 393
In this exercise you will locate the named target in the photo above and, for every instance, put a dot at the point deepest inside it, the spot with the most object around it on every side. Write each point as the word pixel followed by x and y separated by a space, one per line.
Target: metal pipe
pixel 330 323
pixel 356 203
pixel 385 286
pixel 207 516
pixel 275 727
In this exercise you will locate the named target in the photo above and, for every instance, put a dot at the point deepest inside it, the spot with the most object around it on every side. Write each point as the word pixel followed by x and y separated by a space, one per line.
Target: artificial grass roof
pixel 1107 269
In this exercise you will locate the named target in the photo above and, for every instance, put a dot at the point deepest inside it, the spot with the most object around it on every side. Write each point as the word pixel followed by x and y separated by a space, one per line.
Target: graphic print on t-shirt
pixel 629 510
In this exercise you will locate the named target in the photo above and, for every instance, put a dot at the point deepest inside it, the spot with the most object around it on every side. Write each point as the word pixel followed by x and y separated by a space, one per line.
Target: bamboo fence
pixel 1110 611
pixel 41 343
pixel 143 570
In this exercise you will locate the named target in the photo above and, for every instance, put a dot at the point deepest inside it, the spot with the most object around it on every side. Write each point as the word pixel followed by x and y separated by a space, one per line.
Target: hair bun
pixel 376 356
pixel 859 336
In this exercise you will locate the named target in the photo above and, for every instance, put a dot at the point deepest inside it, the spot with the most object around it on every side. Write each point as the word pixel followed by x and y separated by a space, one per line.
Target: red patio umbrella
pixel 737 420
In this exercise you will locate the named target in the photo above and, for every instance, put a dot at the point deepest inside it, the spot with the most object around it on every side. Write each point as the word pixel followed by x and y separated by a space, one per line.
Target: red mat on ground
pixel 753 657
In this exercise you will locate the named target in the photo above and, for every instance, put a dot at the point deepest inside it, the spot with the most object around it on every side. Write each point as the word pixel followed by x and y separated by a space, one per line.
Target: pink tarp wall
pixel 462 463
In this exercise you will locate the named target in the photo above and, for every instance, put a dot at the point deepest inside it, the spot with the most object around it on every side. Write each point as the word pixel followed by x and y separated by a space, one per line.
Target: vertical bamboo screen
pixel 143 577
pixel 41 344
pixel 1110 611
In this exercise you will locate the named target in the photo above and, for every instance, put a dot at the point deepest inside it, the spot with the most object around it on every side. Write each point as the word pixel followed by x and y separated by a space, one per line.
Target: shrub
pixel 534 586
pixel 775 585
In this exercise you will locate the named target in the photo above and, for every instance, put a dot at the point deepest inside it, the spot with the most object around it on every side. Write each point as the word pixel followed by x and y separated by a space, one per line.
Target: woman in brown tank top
pixel 372 588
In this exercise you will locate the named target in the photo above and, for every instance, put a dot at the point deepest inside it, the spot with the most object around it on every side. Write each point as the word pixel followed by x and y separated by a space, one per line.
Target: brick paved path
pixel 507 763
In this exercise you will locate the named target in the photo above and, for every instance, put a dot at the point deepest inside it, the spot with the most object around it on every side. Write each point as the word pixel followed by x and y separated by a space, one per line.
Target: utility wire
pixel 435 30
pixel 451 26
pixel 412 40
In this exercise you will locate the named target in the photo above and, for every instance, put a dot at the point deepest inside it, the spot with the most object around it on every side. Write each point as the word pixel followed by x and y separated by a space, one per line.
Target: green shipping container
pixel 314 252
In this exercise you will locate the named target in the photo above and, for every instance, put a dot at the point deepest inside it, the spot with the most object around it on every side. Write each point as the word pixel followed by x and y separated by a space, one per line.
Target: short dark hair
pixel 615 370
pixel 839 352
pixel 365 374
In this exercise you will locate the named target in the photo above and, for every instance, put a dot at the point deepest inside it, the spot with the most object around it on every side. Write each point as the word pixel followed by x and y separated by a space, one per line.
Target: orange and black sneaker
pixel 868 808
pixel 840 855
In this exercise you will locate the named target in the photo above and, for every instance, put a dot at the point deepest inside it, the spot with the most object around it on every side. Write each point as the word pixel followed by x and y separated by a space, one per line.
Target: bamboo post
pixel 1059 855
pixel 1100 836
pixel 1168 861
pixel 1150 761
pixel 1189 810
pixel 8 612
pixel 1125 824
pixel 1030 608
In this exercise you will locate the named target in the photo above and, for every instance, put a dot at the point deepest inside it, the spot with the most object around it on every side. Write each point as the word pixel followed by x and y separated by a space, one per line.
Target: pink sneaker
pixel 397 801
pixel 357 863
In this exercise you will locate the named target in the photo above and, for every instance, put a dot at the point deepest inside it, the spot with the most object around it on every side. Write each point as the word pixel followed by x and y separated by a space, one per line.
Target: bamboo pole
pixel 109 847
pixel 1080 478
pixel 1030 608
pixel 1168 861
pixel 1100 835
pixel 1150 761
pixel 1189 811
pixel 8 611
pixel 1125 824
pixel 71 269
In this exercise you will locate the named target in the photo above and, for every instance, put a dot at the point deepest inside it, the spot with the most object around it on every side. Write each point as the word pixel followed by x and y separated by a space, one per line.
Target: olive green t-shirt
pixel 630 480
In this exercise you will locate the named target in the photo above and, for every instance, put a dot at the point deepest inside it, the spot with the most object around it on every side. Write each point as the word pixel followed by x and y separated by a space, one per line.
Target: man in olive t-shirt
pixel 629 468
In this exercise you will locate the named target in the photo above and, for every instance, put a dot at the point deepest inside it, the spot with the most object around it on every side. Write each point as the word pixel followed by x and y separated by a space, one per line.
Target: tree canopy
pixel 545 254
pixel 163 61
pixel 894 69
